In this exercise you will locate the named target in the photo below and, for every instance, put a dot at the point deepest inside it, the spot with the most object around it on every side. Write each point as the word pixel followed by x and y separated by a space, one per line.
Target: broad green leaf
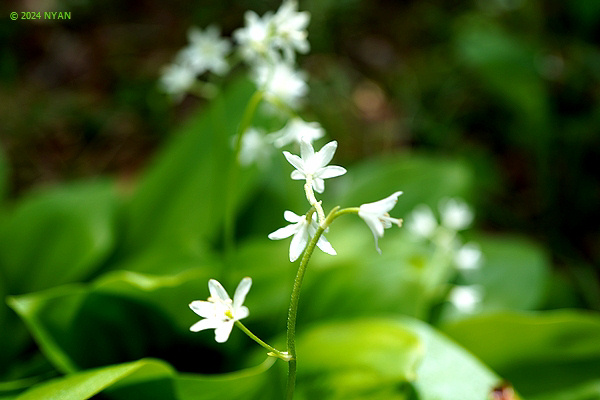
pixel 83 385
pixel 58 236
pixel 356 358
pixel 181 198
pixel 538 352
pixel 423 179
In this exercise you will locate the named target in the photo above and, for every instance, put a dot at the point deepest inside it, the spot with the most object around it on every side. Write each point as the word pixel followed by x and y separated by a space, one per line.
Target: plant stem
pixel 229 226
pixel 293 310
pixel 276 353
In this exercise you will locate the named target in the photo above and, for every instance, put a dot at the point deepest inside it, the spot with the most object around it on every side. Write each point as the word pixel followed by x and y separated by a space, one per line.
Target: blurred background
pixel 509 89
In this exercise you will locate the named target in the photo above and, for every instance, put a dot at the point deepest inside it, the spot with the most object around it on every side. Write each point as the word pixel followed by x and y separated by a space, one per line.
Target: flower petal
pixel 330 171
pixel 325 246
pixel 382 206
pixel 209 323
pixel 298 175
pixel 241 313
pixel 241 292
pixel 298 243
pixel 306 150
pixel 323 156
pixel 293 159
pixel 217 290
pixel 284 232
pixel 292 217
pixel 203 308
pixel 223 331
pixel 318 184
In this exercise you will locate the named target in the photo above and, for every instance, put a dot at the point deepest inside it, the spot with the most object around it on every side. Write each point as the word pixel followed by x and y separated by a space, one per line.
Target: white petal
pixel 306 150
pixel 223 330
pixel 331 171
pixel 241 313
pixel 325 155
pixel 293 159
pixel 204 309
pixel 203 324
pixel 325 246
pixel 241 292
pixel 217 290
pixel 292 217
pixel 298 175
pixel 298 243
pixel 376 228
pixel 318 184
pixel 284 232
pixel 382 206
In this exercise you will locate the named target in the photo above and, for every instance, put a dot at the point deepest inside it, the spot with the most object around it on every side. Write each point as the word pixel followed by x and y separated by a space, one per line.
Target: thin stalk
pixel 273 351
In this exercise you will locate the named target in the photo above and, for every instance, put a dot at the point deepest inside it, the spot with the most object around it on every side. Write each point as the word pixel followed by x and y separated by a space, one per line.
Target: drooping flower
pixel 295 130
pixel 302 232
pixel 313 166
pixel 207 51
pixel 220 312
pixel 377 218
pixel 177 79
pixel 290 30
pixel 281 83
pixel 456 214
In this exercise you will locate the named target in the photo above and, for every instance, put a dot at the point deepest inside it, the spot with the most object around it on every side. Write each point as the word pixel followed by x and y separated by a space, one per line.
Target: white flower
pixel 207 51
pixel 456 214
pixel 422 222
pixel 295 130
pixel 281 83
pixel 466 298
pixel 255 148
pixel 377 218
pixel 290 29
pixel 302 232
pixel 220 312
pixel 177 79
pixel 254 39
pixel 468 257
pixel 313 166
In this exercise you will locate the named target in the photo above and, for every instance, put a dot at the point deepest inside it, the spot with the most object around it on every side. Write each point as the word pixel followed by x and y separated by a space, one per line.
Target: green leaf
pixel 181 197
pixel 360 357
pixel 537 352
pixel 86 384
pixel 57 236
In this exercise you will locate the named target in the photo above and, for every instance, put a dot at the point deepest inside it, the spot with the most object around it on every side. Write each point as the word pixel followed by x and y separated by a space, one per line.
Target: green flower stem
pixel 293 310
pixel 229 231
pixel 273 351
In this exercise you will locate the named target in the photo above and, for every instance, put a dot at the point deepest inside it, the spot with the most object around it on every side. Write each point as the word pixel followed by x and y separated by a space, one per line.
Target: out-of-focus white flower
pixel 281 83
pixel 468 257
pixel 295 130
pixel 377 218
pixel 466 298
pixel 207 51
pixel 255 37
pixel 177 79
pixel 422 222
pixel 313 166
pixel 290 30
pixel 302 231
pixel 255 148
pixel 456 214
pixel 220 312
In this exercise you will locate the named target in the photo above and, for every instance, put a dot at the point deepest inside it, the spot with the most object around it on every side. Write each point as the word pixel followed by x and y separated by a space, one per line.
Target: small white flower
pixel 295 130
pixel 290 30
pixel 302 231
pixel 207 51
pixel 422 222
pixel 468 257
pixel 314 165
pixel 177 79
pixel 255 148
pixel 254 38
pixel 220 312
pixel 466 298
pixel 377 218
pixel 456 214
pixel 281 83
